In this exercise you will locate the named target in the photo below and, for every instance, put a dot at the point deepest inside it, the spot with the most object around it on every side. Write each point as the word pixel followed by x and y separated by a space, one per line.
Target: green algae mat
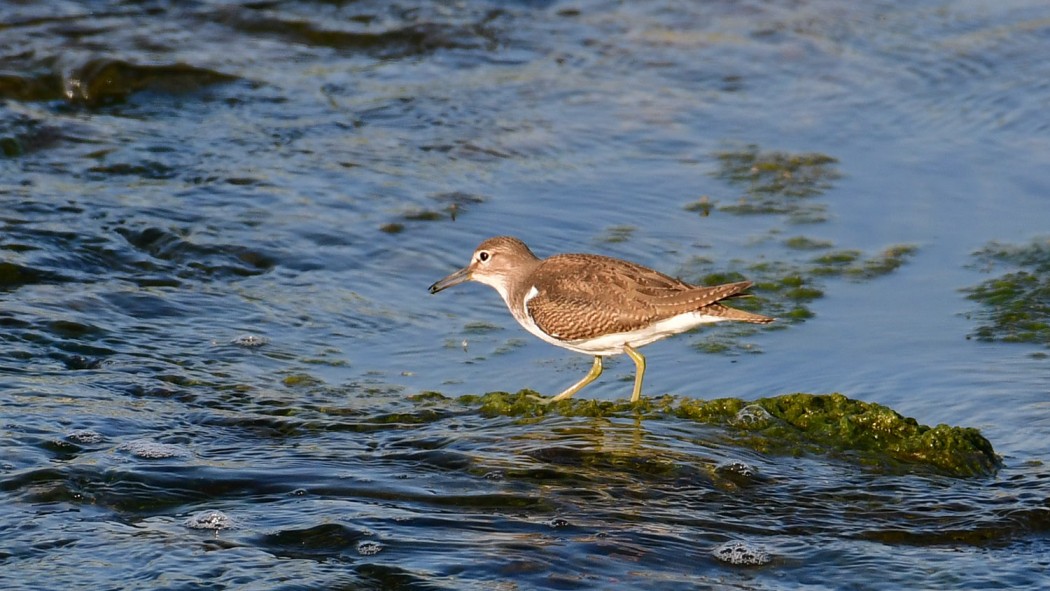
pixel 792 424
pixel 1015 305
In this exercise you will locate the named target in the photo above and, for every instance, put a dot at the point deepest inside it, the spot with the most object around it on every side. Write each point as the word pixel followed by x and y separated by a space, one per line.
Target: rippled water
pixel 219 221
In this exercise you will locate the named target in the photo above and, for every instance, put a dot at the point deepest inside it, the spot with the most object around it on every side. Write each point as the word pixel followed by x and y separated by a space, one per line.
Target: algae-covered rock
pixel 791 424
pixel 873 433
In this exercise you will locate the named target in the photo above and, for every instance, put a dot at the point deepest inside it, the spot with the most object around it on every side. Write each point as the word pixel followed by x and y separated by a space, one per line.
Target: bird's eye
pixel 483 256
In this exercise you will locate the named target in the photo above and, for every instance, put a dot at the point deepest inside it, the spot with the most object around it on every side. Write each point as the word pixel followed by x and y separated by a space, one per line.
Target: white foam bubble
pixel 752 416
pixel 85 436
pixel 369 548
pixel 250 341
pixel 152 450
pixel 737 468
pixel 741 553
pixel 209 519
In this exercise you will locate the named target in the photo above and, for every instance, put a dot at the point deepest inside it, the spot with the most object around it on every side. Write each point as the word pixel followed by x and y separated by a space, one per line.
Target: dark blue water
pixel 218 221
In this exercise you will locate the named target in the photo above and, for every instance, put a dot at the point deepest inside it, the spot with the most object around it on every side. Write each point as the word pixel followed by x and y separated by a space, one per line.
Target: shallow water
pixel 219 221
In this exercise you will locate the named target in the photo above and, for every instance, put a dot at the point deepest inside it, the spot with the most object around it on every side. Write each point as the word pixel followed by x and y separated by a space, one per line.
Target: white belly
pixel 612 344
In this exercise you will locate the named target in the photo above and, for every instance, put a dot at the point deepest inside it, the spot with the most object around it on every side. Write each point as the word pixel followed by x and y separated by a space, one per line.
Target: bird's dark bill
pixel 456 278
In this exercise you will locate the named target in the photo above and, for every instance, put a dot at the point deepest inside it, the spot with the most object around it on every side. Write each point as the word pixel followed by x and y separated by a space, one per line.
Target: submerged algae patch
pixel 777 182
pixel 784 289
pixel 1015 306
pixel 807 243
pixel 791 424
pixel 617 234
pixel 772 172
pixel 851 264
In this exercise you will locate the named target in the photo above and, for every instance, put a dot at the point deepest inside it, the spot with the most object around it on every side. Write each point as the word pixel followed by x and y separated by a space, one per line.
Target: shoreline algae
pixel 791 424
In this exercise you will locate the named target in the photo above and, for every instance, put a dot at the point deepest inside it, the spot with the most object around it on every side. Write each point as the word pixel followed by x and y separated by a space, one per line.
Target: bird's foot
pixel 540 399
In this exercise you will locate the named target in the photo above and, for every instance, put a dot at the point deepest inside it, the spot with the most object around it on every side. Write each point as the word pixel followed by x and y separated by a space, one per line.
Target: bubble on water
pixel 558 522
pixel 85 436
pixel 494 475
pixel 741 553
pixel 737 469
pixel 369 547
pixel 250 341
pixel 152 450
pixel 209 519
pixel 81 362
pixel 752 416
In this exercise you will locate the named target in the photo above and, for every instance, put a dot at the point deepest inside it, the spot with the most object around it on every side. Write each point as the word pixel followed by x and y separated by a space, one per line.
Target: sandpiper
pixel 595 304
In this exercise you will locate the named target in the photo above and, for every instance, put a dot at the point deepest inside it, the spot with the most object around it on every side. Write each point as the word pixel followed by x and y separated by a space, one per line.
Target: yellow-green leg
pixel 596 370
pixel 639 363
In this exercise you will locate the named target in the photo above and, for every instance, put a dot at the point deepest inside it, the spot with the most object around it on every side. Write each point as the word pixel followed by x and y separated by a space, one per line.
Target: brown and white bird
pixel 595 304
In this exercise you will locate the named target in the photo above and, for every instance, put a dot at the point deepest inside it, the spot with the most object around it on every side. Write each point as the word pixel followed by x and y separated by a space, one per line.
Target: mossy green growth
pixel 299 380
pixel 795 175
pixel 528 403
pixel 1015 305
pixel 851 264
pixel 791 287
pixel 792 424
pixel 722 277
pixel 424 215
pixel 702 206
pixel 784 295
pixel 783 289
pixel 885 262
pixel 617 234
pixel 428 396
pixel 777 182
pixel 873 433
pixel 806 243
pixel 829 264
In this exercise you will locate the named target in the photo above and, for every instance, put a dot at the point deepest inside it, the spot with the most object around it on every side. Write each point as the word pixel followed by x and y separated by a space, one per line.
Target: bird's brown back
pixel 582 296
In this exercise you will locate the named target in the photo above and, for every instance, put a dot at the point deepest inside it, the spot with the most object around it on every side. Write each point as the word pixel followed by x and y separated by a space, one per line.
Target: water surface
pixel 219 221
